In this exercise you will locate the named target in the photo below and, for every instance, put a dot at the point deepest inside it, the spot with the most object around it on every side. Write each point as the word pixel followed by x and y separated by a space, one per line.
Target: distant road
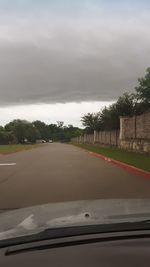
pixel 62 172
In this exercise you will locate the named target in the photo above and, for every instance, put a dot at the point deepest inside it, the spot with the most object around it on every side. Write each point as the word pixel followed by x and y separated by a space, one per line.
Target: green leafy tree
pixel 22 130
pixel 143 88
pixel 43 131
pixel 142 95
pixel 92 122
pixel 6 137
pixel 53 130
pixel 31 133
pixel 109 117
pixel 125 105
pixel 18 127
pixel 60 124
pixel 69 132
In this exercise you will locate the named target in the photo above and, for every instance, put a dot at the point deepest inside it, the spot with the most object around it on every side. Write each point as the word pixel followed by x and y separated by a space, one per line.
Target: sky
pixel 60 59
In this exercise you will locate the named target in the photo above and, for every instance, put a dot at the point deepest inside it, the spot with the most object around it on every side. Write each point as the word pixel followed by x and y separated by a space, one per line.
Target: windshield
pixel 74 113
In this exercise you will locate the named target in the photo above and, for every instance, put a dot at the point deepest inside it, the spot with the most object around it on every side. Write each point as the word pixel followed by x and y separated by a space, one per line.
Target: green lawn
pixel 7 149
pixel 141 161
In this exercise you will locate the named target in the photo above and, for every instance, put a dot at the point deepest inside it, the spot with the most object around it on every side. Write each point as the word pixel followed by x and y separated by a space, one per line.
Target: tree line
pixel 22 131
pixel 129 104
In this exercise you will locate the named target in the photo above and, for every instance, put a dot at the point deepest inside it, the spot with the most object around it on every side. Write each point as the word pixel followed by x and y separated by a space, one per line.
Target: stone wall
pixel 143 126
pixel 137 127
pixel 141 146
pixel 134 135
pixel 107 137
pixel 102 137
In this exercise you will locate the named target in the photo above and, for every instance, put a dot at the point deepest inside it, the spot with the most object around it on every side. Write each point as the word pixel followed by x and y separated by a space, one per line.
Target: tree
pixel 142 95
pixel 91 121
pixel 110 117
pixel 53 129
pixel 60 124
pixel 143 89
pixel 22 130
pixel 69 132
pixel 43 131
pixel 31 133
pixel 125 105
pixel 18 127
pixel 6 137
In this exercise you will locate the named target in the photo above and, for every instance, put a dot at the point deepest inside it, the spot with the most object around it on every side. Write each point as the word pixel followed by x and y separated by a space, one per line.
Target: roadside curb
pixel 122 165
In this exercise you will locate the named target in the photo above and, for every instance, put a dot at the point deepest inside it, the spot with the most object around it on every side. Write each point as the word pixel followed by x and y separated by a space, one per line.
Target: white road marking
pixel 7 164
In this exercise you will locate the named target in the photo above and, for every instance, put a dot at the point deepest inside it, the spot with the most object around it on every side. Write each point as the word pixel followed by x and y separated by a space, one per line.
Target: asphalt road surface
pixel 62 172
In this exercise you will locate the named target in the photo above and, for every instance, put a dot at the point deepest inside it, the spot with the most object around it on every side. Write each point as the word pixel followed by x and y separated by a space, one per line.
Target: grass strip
pixel 140 161
pixel 8 149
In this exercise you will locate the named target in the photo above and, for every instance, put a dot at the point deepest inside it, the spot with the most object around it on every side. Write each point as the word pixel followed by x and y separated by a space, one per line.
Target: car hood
pixel 32 220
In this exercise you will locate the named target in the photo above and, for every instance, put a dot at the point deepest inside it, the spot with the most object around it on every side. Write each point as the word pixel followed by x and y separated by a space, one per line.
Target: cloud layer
pixel 53 56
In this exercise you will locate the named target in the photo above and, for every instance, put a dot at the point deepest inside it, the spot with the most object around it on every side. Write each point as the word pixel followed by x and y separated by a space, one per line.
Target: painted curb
pixel 123 165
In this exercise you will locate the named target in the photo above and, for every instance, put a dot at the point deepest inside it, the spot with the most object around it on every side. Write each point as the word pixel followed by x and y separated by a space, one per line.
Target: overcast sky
pixel 81 54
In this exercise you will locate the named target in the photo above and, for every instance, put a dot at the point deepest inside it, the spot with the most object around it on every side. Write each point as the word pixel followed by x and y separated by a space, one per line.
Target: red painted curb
pixel 123 165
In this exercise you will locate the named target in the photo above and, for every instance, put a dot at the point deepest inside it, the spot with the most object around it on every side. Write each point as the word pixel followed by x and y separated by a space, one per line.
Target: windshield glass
pixel 74 113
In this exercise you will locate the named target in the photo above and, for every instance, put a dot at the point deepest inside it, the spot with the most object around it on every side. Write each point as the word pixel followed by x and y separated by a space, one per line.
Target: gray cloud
pixel 63 59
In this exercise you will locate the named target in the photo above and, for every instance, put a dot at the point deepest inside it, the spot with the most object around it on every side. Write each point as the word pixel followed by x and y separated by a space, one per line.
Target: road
pixel 62 172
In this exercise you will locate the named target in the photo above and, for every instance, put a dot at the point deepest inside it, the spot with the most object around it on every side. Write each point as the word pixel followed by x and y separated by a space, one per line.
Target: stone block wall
pixel 134 135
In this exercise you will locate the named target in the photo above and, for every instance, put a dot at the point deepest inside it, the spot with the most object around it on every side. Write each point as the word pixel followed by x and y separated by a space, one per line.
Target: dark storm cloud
pixel 48 58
